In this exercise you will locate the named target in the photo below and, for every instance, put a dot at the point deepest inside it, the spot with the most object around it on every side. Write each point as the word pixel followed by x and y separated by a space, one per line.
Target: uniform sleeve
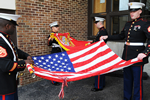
pixel 22 54
pixel 6 60
pixel 120 36
pixel 101 33
pixel 146 30
pixel 105 33
pixel 49 41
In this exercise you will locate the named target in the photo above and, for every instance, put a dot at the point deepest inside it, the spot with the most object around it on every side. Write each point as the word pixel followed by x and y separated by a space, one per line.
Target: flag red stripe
pixel 86 53
pixel 98 64
pixel 85 47
pixel 76 65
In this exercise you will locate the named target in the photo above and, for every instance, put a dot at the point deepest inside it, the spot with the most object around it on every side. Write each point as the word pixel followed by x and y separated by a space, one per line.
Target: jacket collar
pixel 136 19
pixel 5 34
pixel 101 28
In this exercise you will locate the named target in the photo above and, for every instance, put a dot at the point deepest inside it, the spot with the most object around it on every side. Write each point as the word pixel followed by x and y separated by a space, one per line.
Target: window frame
pixel 108 14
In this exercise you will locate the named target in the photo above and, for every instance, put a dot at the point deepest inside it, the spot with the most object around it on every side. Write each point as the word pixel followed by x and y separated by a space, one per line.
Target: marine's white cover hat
pixel 10 17
pixel 54 24
pixel 97 19
pixel 134 6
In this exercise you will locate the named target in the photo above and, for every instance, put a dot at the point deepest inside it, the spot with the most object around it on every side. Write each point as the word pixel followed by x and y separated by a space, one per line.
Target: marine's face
pixel 10 29
pixel 135 14
pixel 98 24
pixel 55 29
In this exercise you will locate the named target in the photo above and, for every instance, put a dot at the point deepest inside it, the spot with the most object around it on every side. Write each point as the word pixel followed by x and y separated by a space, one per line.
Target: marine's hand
pixel 29 60
pixel 50 38
pixel 103 37
pixel 141 56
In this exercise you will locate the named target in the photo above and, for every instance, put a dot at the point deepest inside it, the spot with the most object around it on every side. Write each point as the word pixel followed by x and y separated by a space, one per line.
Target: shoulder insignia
pixel 144 20
pixel 148 29
pixel 3 52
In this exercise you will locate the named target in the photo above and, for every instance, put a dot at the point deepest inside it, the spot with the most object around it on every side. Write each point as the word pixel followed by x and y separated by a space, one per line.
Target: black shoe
pixel 95 89
pixel 56 83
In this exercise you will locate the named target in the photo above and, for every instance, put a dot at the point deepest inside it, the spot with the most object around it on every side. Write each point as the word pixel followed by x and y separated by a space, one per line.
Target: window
pixel 146 10
pixel 118 23
pixel 119 5
pixel 115 12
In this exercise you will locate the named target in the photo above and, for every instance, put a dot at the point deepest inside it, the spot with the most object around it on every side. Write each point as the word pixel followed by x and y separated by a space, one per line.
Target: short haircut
pixel 4 22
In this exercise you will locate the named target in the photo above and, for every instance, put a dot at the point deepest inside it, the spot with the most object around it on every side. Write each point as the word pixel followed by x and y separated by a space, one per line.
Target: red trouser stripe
pixel 3 97
pixel 141 84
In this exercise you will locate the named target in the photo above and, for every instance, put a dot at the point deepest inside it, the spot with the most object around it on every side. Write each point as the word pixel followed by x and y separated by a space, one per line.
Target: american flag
pixel 79 63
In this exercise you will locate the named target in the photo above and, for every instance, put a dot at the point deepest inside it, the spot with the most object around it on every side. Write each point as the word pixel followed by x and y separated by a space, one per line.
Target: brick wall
pixel 34 28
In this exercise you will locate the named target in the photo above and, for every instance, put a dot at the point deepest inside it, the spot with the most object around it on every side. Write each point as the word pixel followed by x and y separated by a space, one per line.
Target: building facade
pixel 36 15
pixel 116 14
pixel 74 16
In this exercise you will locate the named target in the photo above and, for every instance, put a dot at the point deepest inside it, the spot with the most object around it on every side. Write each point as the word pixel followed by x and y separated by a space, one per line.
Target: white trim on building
pixel 8 4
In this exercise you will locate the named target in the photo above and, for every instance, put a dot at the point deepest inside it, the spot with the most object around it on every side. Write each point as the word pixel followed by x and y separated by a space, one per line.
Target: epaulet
pixel 144 20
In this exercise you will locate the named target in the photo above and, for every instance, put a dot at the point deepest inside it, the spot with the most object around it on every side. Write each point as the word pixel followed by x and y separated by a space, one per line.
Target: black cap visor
pixel 133 10
pixel 14 22
pixel 55 26
pixel 96 22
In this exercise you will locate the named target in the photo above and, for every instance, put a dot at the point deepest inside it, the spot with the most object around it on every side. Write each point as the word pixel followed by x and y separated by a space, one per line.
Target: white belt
pixel 54 45
pixel 134 44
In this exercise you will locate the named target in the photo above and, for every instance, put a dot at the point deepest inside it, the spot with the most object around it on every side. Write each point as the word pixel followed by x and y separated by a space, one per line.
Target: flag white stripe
pixel 94 62
pixel 107 65
pixel 43 73
pixel 89 56
pixel 101 68
pixel 84 50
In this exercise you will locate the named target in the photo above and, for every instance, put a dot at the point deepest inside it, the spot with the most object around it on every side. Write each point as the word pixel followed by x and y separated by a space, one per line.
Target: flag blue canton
pixel 54 62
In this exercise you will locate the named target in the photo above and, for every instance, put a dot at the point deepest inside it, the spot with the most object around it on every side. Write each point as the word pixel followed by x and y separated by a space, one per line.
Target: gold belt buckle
pixel 127 43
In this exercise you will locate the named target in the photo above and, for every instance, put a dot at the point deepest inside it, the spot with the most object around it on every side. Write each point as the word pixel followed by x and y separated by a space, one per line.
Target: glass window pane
pixel 115 5
pixel 98 6
pixel 119 5
pixel 123 5
pixel 147 8
pixel 118 23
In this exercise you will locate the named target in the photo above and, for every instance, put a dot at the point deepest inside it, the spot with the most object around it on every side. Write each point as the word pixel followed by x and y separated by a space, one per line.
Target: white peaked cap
pixel 9 16
pixel 99 19
pixel 53 24
pixel 136 5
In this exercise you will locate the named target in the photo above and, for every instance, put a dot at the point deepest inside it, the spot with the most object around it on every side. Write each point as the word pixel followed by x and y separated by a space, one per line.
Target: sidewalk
pixel 78 90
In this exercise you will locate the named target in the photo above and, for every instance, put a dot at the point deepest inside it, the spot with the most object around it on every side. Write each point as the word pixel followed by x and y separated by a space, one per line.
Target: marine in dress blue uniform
pixel 52 42
pixel 99 79
pixel 9 54
pixel 135 34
